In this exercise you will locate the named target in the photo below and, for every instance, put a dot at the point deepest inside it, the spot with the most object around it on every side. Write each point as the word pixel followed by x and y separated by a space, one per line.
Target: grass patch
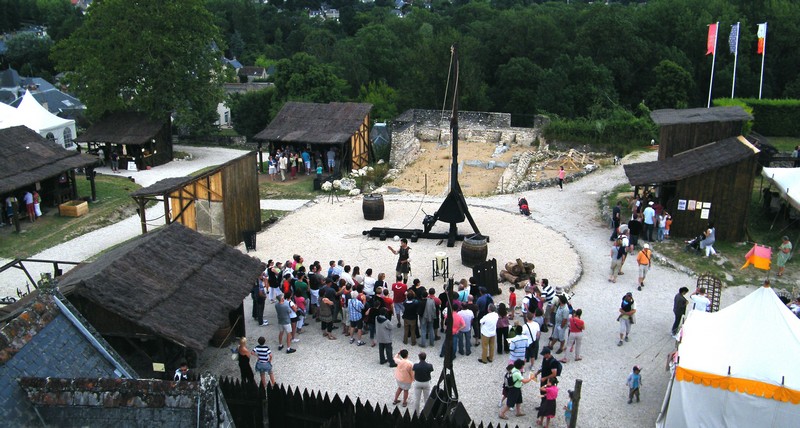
pixel 784 144
pixel 113 204
pixel 302 188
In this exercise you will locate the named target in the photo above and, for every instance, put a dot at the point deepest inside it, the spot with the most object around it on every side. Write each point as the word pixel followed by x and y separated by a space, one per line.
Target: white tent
pixel 31 114
pixel 737 367
pixel 787 180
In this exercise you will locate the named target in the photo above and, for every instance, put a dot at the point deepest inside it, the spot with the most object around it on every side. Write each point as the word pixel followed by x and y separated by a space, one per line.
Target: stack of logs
pixel 518 273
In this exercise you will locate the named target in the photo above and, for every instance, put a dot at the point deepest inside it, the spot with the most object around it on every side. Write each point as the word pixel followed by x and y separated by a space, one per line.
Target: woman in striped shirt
pixel 264 363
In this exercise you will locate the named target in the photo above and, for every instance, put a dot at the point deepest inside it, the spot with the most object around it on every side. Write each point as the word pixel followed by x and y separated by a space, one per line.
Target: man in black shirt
pixel 422 382
pixel 679 308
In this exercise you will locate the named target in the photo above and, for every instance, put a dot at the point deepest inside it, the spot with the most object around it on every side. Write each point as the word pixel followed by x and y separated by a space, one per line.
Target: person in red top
pixel 512 302
pixel 458 324
pixel 399 289
pixel 384 293
pixel 576 327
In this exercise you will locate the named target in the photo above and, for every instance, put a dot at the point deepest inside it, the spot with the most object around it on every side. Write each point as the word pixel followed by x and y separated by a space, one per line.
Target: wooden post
pixel 73 184
pixel 166 209
pixel 140 200
pixel 91 175
pixel 576 399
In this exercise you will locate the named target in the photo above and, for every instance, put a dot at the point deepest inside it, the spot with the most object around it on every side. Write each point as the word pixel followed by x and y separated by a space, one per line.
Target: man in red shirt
pixel 399 289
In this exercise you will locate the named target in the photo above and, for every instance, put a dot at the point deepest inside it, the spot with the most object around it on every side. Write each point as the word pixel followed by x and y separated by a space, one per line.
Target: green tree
pixel 250 111
pixel 303 78
pixel 576 87
pixel 672 86
pixel 151 56
pixel 28 53
pixel 383 98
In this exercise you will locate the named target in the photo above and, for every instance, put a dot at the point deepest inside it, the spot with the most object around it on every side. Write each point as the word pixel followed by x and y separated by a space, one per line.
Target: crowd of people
pixel 288 161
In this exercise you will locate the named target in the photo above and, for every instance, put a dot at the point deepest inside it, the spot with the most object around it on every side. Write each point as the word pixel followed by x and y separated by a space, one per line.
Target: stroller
pixel 523 207
pixel 694 243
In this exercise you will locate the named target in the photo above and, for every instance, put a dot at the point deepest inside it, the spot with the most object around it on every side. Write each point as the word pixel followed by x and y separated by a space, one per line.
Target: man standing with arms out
pixel 488 333
pixel 399 289
pixel 699 300
pixel 403 264
pixel 679 308
pixel 284 323
pixel 649 221
pixel 643 259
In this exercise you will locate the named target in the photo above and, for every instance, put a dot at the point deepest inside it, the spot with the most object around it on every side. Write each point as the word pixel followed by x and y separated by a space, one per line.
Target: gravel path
pixel 87 245
pixel 568 243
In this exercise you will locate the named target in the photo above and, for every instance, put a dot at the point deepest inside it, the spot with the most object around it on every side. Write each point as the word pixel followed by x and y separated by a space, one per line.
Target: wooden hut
pixel 684 129
pixel 138 140
pixel 222 202
pixel 712 182
pixel 342 125
pixel 163 296
pixel 29 161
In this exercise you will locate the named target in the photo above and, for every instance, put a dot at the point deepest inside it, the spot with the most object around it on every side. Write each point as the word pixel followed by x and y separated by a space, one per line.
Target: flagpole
pixel 714 60
pixel 735 58
pixel 763 54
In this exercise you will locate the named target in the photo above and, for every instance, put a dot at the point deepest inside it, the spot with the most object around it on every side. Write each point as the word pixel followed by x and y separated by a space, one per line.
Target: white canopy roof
pixel 787 180
pixel 35 117
pixel 758 337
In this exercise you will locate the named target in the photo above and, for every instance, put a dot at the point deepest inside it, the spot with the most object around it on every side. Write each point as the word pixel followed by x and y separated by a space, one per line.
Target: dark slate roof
pixel 40 340
pixel 168 185
pixel 251 71
pixel 700 115
pixel 122 128
pixel 233 63
pixel 55 100
pixel 7 97
pixel 123 402
pixel 311 123
pixel 173 281
pixel 26 158
pixel 691 162
pixel 9 78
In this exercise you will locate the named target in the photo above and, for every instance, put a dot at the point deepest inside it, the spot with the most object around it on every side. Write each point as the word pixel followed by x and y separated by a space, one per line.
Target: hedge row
pixel 617 136
pixel 776 118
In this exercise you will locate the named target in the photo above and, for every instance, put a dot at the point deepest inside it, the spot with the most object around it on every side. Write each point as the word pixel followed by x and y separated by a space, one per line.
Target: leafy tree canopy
pixel 150 55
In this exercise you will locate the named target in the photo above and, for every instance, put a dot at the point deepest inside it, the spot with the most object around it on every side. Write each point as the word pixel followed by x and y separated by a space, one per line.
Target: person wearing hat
pixel 626 311
pixel 784 254
pixel 643 259
pixel 649 214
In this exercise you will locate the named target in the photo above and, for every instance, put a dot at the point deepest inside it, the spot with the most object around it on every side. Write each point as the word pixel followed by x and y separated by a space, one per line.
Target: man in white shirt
pixel 649 221
pixel 531 330
pixel 464 339
pixel 488 333
pixel 699 300
pixel 346 276
pixel 369 283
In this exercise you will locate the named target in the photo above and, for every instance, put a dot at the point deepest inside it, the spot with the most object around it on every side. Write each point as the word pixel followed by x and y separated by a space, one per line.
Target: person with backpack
pixel 618 251
pixel 513 386
pixel 643 259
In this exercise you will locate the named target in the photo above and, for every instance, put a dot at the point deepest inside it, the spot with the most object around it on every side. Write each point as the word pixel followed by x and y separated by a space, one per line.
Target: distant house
pixel 233 63
pixel 138 140
pixel 250 73
pixel 52 99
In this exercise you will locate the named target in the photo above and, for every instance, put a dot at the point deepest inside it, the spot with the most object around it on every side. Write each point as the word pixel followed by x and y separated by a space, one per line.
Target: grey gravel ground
pixel 564 238
pixel 567 242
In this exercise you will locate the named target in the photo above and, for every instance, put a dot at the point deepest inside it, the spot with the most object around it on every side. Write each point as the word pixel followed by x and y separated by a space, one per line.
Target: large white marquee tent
pixel 35 117
pixel 737 367
pixel 787 180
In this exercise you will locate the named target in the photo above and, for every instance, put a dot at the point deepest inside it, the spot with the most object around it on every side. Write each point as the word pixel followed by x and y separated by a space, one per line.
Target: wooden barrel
pixel 474 250
pixel 373 207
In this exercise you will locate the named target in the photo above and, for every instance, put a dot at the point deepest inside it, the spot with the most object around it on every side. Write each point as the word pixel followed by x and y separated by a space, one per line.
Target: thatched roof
pixel 26 158
pixel 122 128
pixel 700 115
pixel 310 123
pixel 174 282
pixel 691 162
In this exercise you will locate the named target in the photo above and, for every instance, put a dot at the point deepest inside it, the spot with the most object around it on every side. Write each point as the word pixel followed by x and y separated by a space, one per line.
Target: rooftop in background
pixel 332 123
pixel 700 115
pixel 691 162
pixel 122 128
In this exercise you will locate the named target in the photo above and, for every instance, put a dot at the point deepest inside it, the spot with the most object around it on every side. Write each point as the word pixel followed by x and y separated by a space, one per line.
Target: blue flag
pixel 733 40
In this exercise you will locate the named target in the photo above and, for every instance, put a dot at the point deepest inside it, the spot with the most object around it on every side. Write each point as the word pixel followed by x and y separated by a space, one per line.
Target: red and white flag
pixel 762 37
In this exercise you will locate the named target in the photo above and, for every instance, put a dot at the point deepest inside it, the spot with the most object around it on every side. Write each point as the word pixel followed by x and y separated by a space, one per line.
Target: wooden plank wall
pixel 182 201
pixel 729 191
pixel 163 144
pixel 674 139
pixel 360 143
pixel 241 200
